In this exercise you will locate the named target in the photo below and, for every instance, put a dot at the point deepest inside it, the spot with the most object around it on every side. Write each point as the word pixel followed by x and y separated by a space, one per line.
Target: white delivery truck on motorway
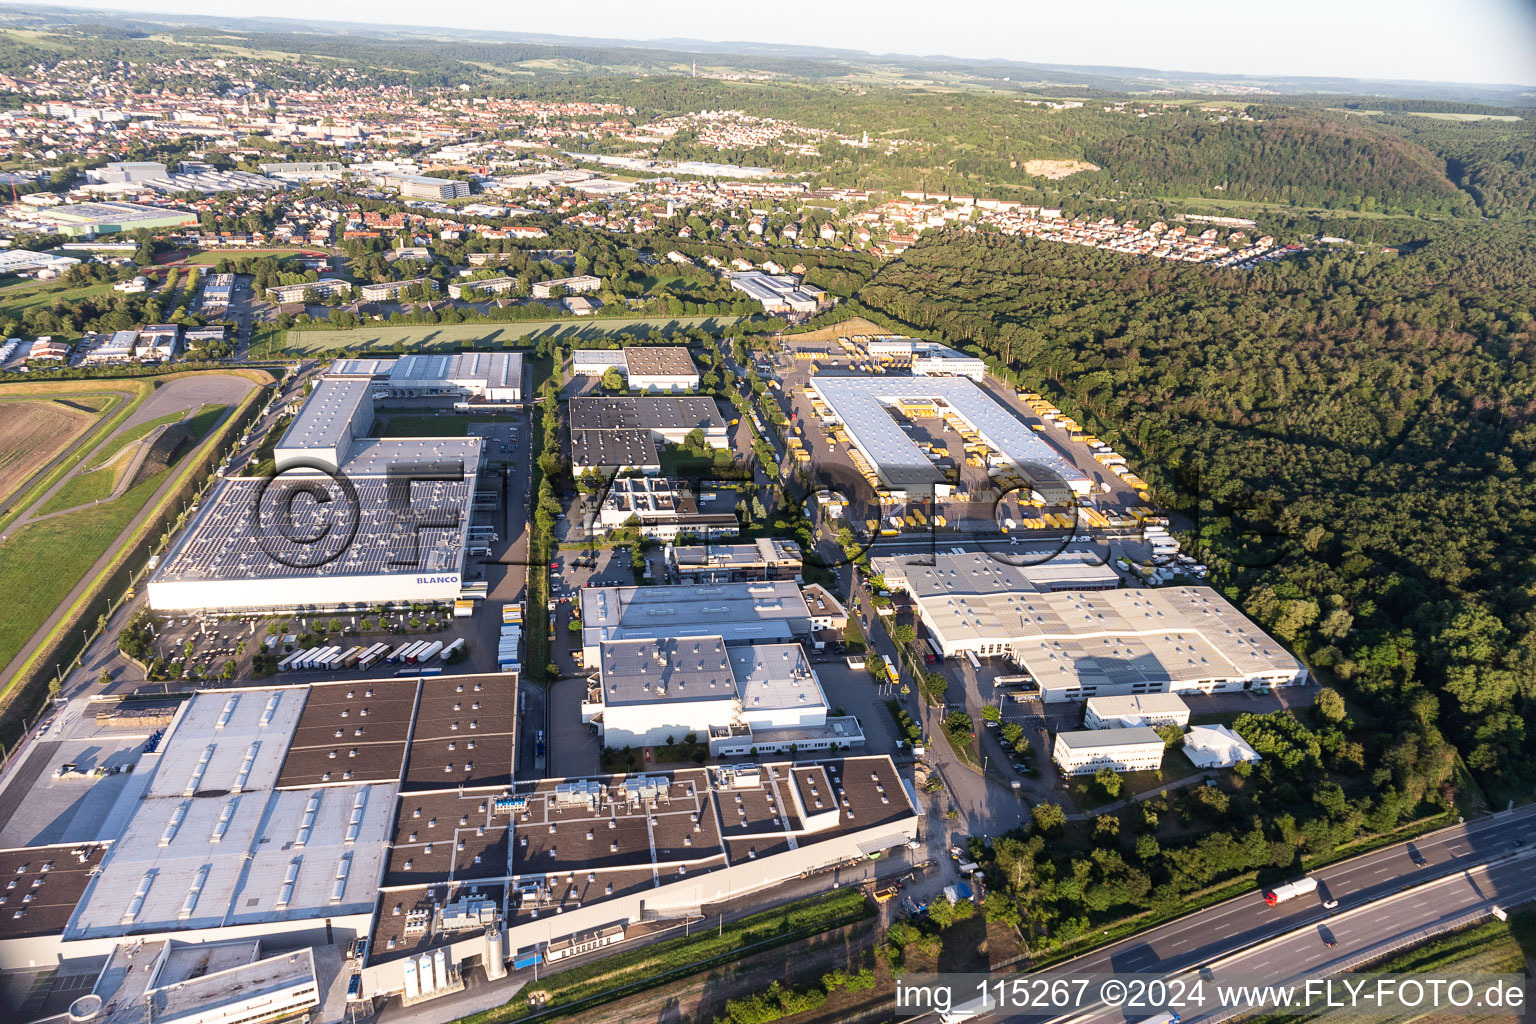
pixel 1290 890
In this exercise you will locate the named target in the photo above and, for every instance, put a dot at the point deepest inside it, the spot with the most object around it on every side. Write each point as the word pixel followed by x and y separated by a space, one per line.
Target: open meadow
pixel 385 338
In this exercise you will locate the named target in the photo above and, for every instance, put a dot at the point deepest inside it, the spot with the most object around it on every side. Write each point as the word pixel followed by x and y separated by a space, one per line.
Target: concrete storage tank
pixel 88 1008
pixel 412 989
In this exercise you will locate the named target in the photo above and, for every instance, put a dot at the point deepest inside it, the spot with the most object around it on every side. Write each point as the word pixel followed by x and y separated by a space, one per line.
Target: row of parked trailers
pixel 511 638
pixel 359 657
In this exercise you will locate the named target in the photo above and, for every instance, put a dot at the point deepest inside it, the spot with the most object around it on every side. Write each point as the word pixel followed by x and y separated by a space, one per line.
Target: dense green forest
pixel 1282 158
pixel 1351 435
pixel 1347 440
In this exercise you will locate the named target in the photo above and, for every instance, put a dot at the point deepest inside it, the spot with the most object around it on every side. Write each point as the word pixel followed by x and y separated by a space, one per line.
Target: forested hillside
pixel 1280 158
pixel 1351 433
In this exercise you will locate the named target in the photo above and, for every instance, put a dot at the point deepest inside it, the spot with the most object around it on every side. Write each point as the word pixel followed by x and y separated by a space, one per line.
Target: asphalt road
pixel 1373 913
pixel 1202 936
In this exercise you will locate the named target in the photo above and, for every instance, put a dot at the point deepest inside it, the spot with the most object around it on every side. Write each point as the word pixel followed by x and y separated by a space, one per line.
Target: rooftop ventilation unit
pixel 193 892
pixel 174 825
pixel 343 868
pixel 285 894
pixel 197 772
pixel 136 903
pixel 245 766
pixel 222 825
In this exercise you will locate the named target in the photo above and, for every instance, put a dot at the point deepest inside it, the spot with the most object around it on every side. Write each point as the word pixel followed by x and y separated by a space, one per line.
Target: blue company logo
pixel 436 579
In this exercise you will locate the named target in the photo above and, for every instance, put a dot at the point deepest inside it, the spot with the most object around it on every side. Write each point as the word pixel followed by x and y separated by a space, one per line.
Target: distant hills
pixel 577 55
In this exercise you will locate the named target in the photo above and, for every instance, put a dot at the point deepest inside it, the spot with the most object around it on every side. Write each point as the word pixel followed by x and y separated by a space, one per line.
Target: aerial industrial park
pixel 612 532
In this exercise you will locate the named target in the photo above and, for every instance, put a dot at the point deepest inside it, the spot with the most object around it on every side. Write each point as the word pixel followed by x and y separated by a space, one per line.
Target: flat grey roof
pixel 1138 704
pixel 462 369
pixel 766 551
pixel 773 677
pixel 360 368
pixel 379 456
pixel 1071 638
pixel 211 844
pixel 236 988
pixel 860 404
pixel 1099 739
pixel 594 361
pixel 210 746
pixel 738 612
pixel 981 573
pixel 665 669
pixel 327 415
pixel 656 413
pixel 613 448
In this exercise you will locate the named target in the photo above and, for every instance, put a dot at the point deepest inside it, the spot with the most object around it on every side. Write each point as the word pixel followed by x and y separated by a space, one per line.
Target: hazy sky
pixel 1442 40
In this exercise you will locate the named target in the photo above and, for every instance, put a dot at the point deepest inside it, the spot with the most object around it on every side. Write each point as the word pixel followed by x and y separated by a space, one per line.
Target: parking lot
pixel 215 643
pixel 574 748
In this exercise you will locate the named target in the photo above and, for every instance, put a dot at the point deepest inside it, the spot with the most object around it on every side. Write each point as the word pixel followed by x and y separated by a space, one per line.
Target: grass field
pixel 32 432
pixel 430 337
pixel 1465 117
pixel 212 258
pixel 425 426
pixel 82 489
pixel 16 301
pixel 41 563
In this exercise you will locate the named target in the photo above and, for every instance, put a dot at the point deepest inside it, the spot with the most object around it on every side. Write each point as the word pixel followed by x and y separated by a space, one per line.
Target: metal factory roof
pixel 655 413
pixel 665 669
pixel 368 368
pixel 464 369
pixel 390 536
pixel 211 844
pixel 775 677
pixel 860 404
pixel 738 612
pixel 326 418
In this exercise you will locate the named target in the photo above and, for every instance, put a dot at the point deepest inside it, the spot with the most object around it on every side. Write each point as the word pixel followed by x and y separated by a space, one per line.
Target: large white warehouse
pixel 1092 643
pixel 763 697
pixel 347 523
pixel 860 405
